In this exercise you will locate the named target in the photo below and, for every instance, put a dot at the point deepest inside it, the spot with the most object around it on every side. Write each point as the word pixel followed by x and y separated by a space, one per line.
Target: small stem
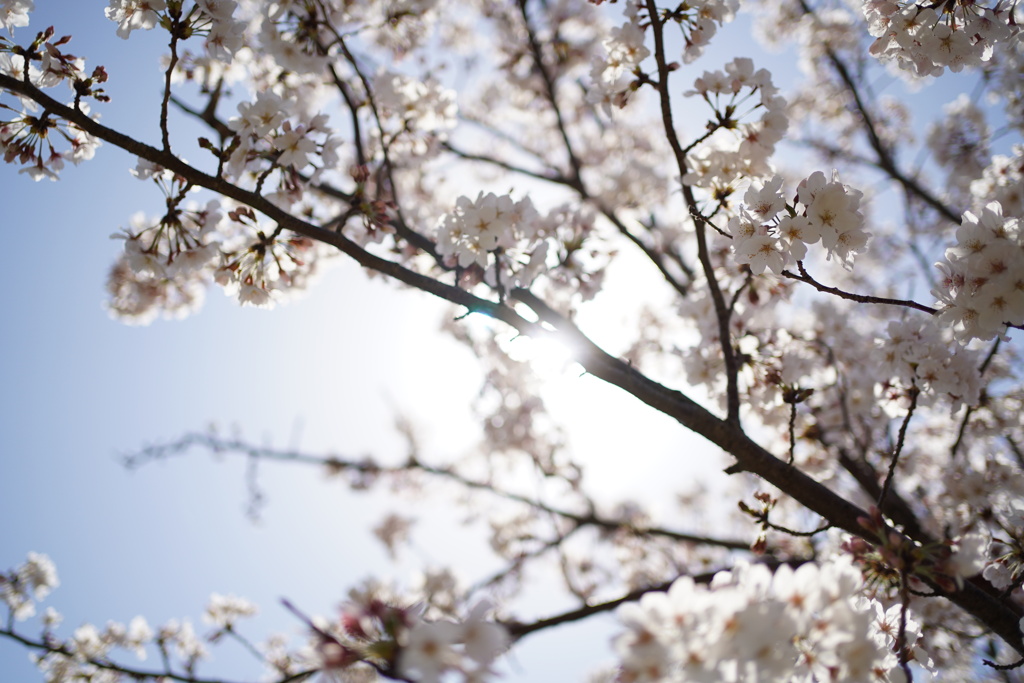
pixel 902 651
pixel 699 222
pixel 860 298
pixel 164 131
pixel 792 432
pixel 914 393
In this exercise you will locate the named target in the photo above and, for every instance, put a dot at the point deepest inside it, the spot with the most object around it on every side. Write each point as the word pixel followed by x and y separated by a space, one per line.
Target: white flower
pixel 982 288
pixel 14 13
pixel 87 642
pixel 483 640
pixel 224 610
pixel 475 227
pixel 999 575
pixel 765 200
pixel 39 574
pixel 749 625
pixel 295 146
pixel 52 618
pixel 425 107
pixel 429 651
pixel 260 117
pixel 970 556
pixel 761 251
pixel 393 530
pixel 132 14
pixel 138 635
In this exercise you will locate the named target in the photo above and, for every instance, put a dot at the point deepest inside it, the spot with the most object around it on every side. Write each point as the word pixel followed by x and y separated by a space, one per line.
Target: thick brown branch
pixel 283 218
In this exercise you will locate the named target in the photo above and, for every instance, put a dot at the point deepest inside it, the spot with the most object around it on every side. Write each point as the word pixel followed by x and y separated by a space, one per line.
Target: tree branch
pixel 1000 616
pixel 368 467
pixel 137 674
pixel 721 308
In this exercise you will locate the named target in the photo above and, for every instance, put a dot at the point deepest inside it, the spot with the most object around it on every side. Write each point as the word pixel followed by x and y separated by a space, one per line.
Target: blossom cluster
pixel 924 42
pixel 1007 567
pixel 394 639
pixel 138 298
pixel 1002 181
pixel 131 15
pixel 32 581
pixel 224 611
pixel 168 262
pixel 476 229
pixel 89 644
pixel 376 629
pixel 425 111
pixel 265 132
pixel 982 286
pixel 213 19
pixel 79 657
pixel 700 21
pixel 916 354
pixel 261 274
pixel 960 140
pixel 770 234
pixel 507 243
pixel 736 150
pixel 469 647
pixel 182 241
pixel 613 75
pixel 748 625
pixel 45 142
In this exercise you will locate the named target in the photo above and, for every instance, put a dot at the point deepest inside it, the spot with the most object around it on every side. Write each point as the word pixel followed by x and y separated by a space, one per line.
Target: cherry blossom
pixel 224 611
pixel 591 175
pixel 750 625
pixel 825 211
pixel 14 13
pixel 920 40
pixel 982 290
pixel 134 14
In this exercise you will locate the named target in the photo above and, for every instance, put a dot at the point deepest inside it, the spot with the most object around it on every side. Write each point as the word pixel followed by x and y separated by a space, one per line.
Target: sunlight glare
pixel 548 356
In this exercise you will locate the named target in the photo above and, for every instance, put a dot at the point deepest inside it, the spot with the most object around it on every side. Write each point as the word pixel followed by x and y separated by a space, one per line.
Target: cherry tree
pixel 506 156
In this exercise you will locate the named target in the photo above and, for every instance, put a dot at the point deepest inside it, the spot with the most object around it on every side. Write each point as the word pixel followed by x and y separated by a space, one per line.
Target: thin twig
pixel 703 255
pixel 902 649
pixel 549 87
pixel 970 409
pixel 792 432
pixel 368 467
pixel 914 393
pixel 519 630
pixel 860 298
pixel 131 672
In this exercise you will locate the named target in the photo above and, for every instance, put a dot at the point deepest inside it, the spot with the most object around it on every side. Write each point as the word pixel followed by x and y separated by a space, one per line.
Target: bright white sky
pixel 327 372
